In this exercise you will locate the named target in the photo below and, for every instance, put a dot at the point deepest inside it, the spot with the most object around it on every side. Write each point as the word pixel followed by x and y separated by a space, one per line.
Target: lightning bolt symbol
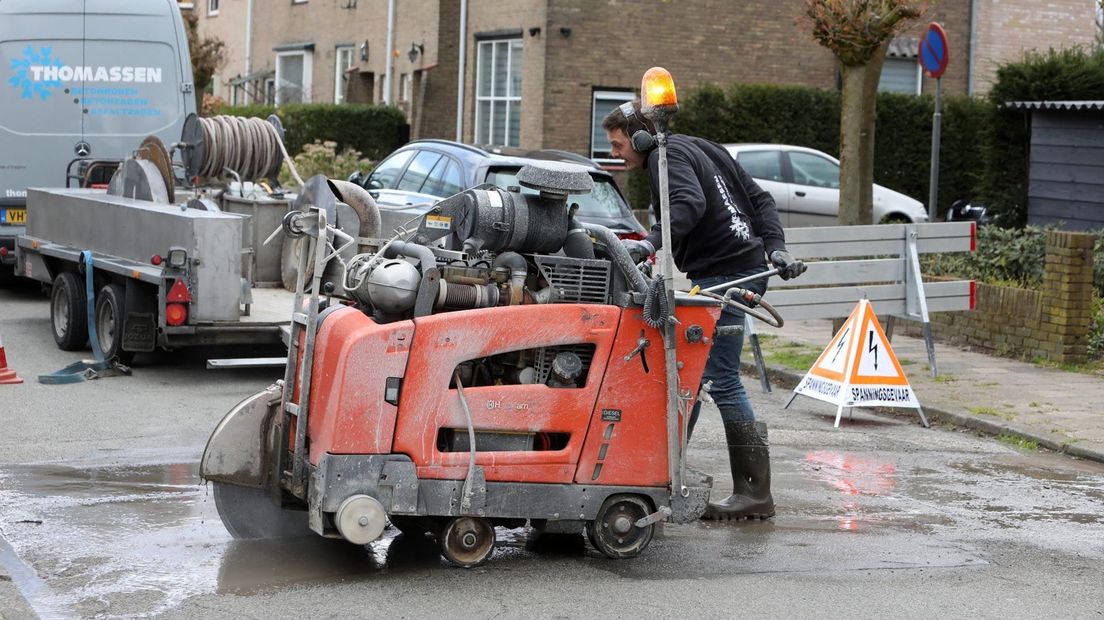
pixel 842 341
pixel 871 347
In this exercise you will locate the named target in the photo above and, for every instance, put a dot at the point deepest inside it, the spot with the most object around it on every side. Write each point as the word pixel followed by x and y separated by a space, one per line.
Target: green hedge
pixel 373 130
pixel 809 117
pixel 1073 75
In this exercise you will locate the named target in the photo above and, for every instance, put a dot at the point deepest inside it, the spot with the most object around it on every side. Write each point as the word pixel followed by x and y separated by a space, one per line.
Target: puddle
pixel 139 541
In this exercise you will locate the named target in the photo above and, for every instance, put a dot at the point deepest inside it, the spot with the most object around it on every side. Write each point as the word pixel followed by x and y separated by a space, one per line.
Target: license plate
pixel 15 216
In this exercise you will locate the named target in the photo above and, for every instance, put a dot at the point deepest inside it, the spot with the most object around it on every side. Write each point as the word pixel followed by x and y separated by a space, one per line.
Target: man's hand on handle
pixel 788 266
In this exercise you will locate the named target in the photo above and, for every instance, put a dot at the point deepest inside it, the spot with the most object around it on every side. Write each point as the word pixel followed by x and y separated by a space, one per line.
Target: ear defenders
pixel 642 140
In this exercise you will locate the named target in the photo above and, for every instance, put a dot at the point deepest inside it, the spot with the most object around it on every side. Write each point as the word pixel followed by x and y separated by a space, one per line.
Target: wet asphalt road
pixel 102 515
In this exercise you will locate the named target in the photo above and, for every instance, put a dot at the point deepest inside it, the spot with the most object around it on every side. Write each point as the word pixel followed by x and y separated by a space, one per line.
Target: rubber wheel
pixel 289 262
pixel 69 312
pixel 110 314
pixel 468 542
pixel 614 532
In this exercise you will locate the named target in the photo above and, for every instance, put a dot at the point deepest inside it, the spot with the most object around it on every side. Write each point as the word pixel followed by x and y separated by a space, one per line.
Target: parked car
pixel 805 186
pixel 410 180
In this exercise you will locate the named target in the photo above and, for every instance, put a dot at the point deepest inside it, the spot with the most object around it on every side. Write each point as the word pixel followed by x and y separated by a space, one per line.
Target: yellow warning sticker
pixel 443 222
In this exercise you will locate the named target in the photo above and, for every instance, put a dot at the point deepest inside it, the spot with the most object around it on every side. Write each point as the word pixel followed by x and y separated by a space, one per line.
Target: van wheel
pixel 289 262
pixel 110 313
pixel 68 312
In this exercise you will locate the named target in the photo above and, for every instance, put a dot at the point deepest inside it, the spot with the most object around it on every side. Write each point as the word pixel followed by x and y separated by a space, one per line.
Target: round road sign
pixel 933 50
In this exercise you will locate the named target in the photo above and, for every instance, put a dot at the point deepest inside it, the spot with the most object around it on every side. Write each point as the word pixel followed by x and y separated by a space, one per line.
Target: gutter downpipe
pixel 249 38
pixel 390 52
pixel 971 72
pixel 460 71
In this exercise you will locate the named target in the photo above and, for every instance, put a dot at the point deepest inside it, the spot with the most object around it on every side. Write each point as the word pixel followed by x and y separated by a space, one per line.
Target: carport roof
pixel 1054 105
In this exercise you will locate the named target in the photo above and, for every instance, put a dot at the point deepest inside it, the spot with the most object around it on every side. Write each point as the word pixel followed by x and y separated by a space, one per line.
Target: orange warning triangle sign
pixel 873 361
pixel 832 363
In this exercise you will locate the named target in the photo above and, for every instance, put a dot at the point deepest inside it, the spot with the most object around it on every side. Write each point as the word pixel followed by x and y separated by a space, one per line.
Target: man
pixel 723 227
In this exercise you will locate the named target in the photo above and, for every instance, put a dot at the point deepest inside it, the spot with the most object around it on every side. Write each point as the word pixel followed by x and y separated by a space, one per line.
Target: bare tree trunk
pixel 860 89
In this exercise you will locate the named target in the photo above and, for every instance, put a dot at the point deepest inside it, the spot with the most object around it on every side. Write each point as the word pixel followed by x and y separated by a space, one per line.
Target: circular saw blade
pixel 152 149
pixel 249 512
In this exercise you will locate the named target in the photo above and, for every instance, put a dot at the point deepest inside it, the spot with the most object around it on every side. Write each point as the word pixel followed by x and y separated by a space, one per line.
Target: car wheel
pixel 895 218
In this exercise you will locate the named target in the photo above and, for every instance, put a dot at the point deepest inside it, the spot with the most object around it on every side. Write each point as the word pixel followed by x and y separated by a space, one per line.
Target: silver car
pixel 805 185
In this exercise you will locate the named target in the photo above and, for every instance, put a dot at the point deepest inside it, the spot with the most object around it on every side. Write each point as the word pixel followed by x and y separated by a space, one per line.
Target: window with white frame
pixel 900 75
pixel 404 87
pixel 498 92
pixel 293 77
pixel 603 102
pixel 212 7
pixel 343 61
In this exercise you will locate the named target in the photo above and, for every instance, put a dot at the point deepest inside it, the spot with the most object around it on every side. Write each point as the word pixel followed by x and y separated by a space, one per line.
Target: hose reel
pixel 249 147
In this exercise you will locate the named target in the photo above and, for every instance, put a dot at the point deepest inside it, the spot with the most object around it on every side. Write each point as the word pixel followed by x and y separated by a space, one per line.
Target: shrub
pixel 373 130
pixel 810 117
pixel 1003 256
pixel 1096 331
pixel 323 158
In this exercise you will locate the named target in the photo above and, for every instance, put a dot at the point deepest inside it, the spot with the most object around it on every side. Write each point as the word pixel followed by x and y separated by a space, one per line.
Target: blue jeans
pixel 723 366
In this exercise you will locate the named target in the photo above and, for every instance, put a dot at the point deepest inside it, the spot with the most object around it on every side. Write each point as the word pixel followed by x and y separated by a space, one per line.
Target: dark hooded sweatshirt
pixel 722 222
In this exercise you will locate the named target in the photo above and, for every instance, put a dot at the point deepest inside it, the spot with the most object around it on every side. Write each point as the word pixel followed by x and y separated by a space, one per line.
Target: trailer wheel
pixel 69 312
pixel 614 531
pixel 110 312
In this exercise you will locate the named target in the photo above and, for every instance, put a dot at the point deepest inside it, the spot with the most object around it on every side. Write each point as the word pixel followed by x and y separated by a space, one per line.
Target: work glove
pixel 788 266
pixel 638 249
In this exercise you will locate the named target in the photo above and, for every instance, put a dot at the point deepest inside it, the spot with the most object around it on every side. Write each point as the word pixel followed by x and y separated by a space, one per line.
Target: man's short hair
pixel 616 120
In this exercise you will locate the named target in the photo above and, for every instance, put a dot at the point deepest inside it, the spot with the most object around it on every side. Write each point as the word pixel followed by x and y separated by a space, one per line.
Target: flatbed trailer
pixel 163 275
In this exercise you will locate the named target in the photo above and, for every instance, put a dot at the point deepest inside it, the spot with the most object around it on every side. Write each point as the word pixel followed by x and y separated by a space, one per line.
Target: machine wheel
pixel 289 262
pixel 468 541
pixel 248 512
pixel 614 531
pixel 68 312
pixel 110 311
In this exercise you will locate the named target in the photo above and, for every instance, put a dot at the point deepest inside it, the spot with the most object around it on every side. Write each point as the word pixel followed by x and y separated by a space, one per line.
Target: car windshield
pixel 603 201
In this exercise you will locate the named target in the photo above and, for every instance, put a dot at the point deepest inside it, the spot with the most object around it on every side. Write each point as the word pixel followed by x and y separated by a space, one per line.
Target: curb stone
pixel 787 379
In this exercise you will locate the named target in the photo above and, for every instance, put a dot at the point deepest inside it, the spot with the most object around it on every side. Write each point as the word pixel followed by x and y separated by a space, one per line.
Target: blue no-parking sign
pixel 933 50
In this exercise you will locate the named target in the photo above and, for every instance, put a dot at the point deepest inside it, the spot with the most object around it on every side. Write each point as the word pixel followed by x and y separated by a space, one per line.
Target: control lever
pixel 642 343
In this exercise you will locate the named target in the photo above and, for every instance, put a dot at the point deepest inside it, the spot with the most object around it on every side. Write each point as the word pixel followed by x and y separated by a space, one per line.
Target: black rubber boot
pixel 749 457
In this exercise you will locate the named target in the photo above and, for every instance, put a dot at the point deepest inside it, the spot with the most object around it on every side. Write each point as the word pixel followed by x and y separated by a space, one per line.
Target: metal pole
pixel 390 52
pixel 937 122
pixel 460 72
pixel 249 38
pixel 674 439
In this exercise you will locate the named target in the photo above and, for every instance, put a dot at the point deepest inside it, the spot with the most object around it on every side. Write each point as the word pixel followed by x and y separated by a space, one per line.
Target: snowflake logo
pixel 22 67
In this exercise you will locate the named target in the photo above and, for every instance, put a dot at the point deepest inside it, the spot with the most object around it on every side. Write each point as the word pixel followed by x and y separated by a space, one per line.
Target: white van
pixel 83 79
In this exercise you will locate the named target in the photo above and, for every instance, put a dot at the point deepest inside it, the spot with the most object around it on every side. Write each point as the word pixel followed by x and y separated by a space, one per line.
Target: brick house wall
pixel 1008 28
pixel 611 44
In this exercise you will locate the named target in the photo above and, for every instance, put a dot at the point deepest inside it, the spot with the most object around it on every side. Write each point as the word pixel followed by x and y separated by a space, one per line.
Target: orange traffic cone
pixel 7 375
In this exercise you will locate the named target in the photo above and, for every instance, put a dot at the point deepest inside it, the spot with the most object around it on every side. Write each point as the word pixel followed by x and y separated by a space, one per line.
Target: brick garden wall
pixel 1051 323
